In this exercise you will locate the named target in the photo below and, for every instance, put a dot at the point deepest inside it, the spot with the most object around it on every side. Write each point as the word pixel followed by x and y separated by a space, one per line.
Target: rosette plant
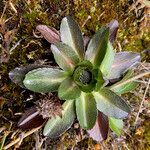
pixel 84 79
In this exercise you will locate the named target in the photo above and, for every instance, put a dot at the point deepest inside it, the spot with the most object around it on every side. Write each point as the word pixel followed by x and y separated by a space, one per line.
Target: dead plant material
pixel 6 41
pixel 133 79
pixel 49 107
pixel 143 17
pixel 140 108
pixel 21 138
pixel 5 55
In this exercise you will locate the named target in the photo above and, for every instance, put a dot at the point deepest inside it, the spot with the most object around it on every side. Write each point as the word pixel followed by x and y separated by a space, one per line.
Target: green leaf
pixel 68 90
pixel 116 125
pixel 85 63
pixel 59 124
pixel 86 110
pixel 107 62
pixel 84 78
pixel 97 47
pixel 99 79
pixel 18 74
pixel 126 87
pixel 44 80
pixel 65 57
pixel 71 35
pixel 111 104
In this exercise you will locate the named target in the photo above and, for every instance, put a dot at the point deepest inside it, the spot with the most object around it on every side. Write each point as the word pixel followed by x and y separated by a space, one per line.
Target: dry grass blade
pixel 132 79
pixel 140 108
pixel 18 139
pixel 5 136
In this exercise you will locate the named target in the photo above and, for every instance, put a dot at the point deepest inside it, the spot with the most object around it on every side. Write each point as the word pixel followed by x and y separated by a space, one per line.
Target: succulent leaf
pixel 123 61
pixel 84 78
pixel 113 28
pixel 18 74
pixel 108 60
pixel 97 47
pixel 86 110
pixel 44 80
pixel 68 90
pixel 65 57
pixel 111 104
pixel 99 79
pixel 85 63
pixel 49 33
pixel 126 87
pixel 100 130
pixel 30 119
pixel 86 40
pixel 71 35
pixel 59 124
pixel 116 125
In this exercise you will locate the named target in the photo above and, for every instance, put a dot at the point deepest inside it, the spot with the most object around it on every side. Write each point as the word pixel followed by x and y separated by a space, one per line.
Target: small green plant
pixel 84 79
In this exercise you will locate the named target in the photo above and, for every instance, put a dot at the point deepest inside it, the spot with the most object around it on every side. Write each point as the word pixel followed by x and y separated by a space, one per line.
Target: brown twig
pixel 130 80
pixel 84 23
pixel 140 108
pixel 3 11
pixel 6 133
pixel 18 139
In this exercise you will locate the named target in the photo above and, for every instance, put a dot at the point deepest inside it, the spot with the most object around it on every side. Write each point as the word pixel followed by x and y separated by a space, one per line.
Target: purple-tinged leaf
pixel 100 130
pixel 86 40
pixel 123 62
pixel 30 119
pixel 18 74
pixel 113 28
pixel 49 33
